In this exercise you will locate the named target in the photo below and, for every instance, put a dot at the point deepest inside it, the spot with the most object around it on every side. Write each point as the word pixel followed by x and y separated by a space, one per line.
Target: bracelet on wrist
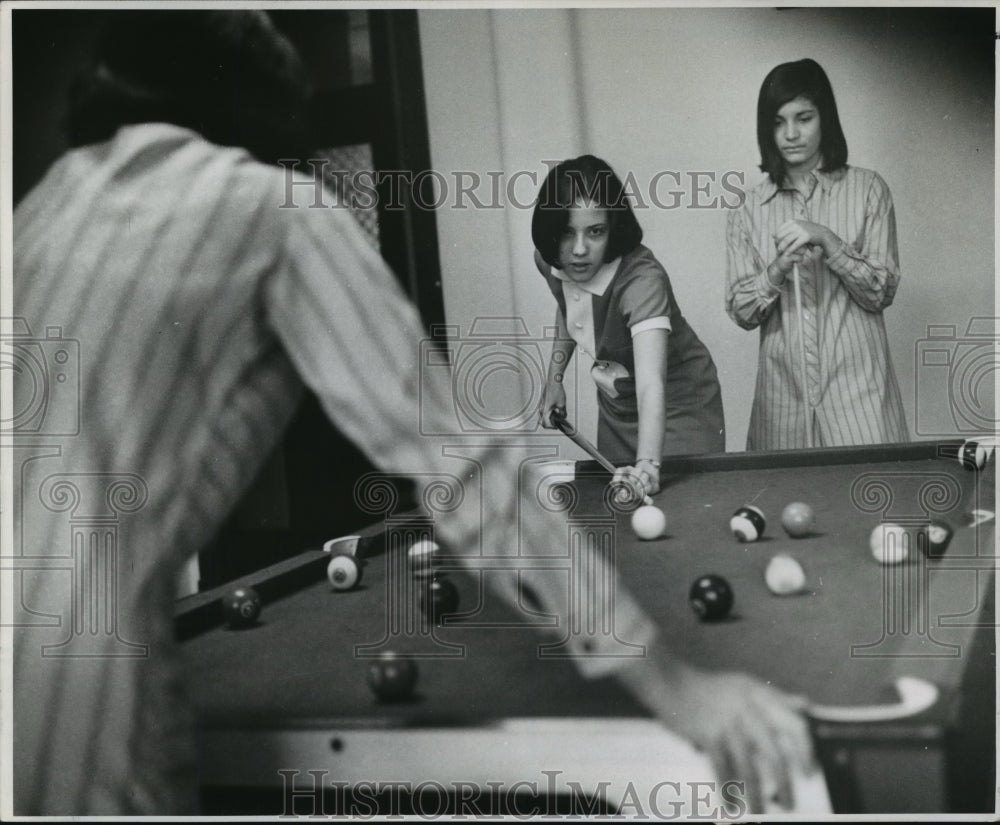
pixel 652 461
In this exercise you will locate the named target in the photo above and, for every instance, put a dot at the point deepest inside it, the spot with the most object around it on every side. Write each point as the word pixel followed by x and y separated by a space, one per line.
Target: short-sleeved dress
pixel 625 297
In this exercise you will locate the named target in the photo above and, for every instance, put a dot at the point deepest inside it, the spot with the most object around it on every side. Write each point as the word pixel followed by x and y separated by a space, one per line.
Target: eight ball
pixel 439 597
pixel 711 597
pixel 241 607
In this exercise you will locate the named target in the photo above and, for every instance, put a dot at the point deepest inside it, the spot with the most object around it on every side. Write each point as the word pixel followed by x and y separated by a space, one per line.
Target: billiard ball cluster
pixel 712 597
pixel 749 523
pixel 392 677
pixel 894 543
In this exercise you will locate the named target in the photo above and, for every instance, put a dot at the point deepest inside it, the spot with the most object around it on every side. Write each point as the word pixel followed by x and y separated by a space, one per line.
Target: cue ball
pixel 241 607
pixel 748 523
pixel 421 557
pixel 343 572
pixel 784 576
pixel 392 678
pixel 649 522
pixel 439 597
pixel 798 519
pixel 711 597
pixel 890 543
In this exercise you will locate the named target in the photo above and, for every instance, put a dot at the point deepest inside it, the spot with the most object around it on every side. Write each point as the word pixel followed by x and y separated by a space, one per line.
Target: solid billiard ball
pixel 421 557
pixel 938 538
pixel 391 677
pixel 973 454
pixel 798 519
pixel 711 597
pixel 748 523
pixel 241 607
pixel 890 543
pixel 784 576
pixel 343 572
pixel 649 522
pixel 439 597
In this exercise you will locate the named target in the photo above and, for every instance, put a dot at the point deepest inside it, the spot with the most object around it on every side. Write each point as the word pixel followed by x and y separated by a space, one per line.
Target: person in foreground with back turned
pixel 202 308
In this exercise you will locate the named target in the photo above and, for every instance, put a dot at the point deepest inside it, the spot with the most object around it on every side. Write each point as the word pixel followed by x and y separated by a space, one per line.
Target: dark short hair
pixel 803 78
pixel 583 178
pixel 228 75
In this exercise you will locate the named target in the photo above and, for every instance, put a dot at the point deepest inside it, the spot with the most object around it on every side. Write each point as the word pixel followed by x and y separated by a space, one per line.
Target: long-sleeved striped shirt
pixel 199 309
pixel 851 394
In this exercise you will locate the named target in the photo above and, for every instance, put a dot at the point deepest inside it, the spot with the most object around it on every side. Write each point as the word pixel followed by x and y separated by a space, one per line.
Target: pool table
pixel 288 724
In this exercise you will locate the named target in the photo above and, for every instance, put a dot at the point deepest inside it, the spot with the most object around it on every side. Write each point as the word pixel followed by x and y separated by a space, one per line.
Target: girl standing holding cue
pixel 657 388
pixel 829 230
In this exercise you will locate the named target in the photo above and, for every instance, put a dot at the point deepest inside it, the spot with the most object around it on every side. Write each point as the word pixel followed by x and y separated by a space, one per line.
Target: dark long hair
pixel 803 78
pixel 583 178
pixel 229 75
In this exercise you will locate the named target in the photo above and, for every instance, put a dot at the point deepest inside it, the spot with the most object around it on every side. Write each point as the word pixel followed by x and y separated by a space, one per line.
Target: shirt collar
pixel 824 179
pixel 597 285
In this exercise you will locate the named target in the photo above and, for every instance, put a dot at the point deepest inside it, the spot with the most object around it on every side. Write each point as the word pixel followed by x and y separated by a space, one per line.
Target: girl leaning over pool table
pixel 657 389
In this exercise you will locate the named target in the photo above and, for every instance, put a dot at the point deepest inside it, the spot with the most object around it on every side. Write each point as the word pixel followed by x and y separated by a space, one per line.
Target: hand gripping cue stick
pixel 915 696
pixel 559 419
pixel 802 354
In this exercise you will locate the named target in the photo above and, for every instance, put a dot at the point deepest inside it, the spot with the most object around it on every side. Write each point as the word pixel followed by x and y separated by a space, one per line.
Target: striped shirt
pixel 851 394
pixel 201 309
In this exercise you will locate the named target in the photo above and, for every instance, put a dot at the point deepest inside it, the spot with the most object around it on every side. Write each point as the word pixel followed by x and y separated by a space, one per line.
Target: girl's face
pixel 797 134
pixel 584 241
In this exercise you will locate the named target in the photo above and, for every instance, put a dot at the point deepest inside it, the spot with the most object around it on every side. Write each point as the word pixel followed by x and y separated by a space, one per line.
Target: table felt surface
pixel 856 627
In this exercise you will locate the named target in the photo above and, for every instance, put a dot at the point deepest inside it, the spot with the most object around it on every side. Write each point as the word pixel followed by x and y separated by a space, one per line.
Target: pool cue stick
pixel 802 352
pixel 570 431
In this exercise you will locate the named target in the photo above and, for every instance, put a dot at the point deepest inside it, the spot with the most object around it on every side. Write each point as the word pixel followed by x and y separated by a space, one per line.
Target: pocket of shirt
pixel 612 379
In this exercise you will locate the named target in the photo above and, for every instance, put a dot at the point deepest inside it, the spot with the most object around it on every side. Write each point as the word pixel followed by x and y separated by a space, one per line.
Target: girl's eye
pixel 597 231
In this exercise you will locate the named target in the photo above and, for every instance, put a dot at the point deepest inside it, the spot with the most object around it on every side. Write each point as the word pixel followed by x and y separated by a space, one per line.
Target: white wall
pixel 652 90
